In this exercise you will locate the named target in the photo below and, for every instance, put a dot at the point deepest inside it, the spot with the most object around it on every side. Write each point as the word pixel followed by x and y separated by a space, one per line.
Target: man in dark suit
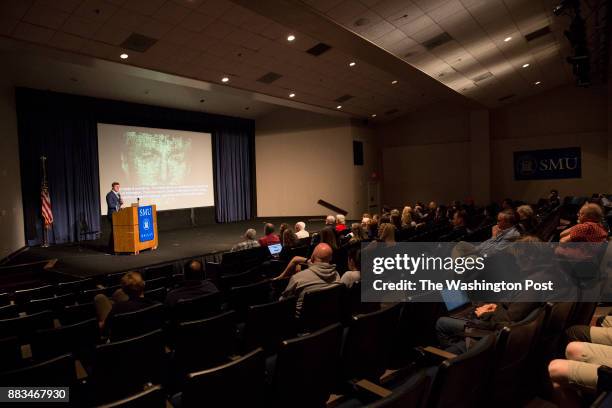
pixel 193 286
pixel 114 203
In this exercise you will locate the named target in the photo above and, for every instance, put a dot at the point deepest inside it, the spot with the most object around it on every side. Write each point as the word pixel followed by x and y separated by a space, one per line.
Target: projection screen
pixel 170 168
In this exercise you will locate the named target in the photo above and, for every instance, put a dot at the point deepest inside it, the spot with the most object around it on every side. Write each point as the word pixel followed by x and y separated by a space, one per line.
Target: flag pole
pixel 44 187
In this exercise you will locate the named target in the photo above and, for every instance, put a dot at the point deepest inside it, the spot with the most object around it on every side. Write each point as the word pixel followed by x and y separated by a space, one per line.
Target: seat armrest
pixel 440 353
pixel 375 389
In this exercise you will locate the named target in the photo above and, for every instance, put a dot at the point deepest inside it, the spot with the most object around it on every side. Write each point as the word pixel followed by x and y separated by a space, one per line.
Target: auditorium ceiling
pixel 373 59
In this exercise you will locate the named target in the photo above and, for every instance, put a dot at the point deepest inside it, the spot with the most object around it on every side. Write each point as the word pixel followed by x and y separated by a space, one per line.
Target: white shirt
pixel 302 234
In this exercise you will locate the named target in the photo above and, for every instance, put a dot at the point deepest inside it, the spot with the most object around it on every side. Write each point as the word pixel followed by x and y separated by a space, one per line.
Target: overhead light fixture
pixel 124 56
pixel 373 115
pixel 291 95
pixel 339 107
pixel 291 37
pixel 394 82
pixel 507 39
pixel 352 64
pixel 225 79
pixel 525 65
pixel 537 82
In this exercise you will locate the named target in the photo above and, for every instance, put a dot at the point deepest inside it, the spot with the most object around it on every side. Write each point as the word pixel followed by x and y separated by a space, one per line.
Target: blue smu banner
pixel 548 164
pixel 145 223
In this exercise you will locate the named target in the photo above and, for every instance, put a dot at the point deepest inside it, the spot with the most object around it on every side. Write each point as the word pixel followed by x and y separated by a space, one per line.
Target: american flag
pixel 46 205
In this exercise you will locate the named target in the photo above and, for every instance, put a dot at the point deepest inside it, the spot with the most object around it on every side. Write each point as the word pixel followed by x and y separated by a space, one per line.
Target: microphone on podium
pixel 138 201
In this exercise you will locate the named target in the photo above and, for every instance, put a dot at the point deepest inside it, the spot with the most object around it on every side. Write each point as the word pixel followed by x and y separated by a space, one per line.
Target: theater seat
pixel 8 311
pixel 22 296
pixel 4 299
pixel 25 326
pixel 306 368
pixel 77 313
pixel 241 297
pixel 239 383
pixel 196 308
pixel 251 276
pixel 367 344
pixel 131 324
pixel 158 272
pixel 158 294
pixel 74 286
pixel 204 343
pixel 267 325
pixel 55 304
pixel 321 308
pixel 152 397
pixel 10 353
pixel 461 381
pixel 57 372
pixel 123 367
pixel 80 339
pixel 413 393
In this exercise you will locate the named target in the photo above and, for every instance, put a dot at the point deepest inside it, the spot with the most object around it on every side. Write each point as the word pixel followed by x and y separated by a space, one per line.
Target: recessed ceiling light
pixel 507 39
pixel 339 107
pixel 291 95
pixel 290 37
pixel 537 82
pixel 373 115
pixel 124 56
pixel 525 65
pixel 352 64
pixel 394 82
pixel 225 79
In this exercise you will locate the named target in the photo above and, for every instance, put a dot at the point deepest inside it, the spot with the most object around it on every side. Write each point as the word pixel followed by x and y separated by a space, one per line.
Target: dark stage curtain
pixel 64 128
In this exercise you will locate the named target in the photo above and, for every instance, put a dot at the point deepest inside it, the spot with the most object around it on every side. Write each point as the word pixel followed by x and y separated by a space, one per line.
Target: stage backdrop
pixel 63 128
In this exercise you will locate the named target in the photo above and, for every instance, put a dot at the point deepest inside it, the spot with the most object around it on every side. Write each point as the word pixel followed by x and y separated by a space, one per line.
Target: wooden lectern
pixel 126 231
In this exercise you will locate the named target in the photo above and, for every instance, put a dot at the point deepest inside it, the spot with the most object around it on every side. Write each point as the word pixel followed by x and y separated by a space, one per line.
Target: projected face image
pixel 156 159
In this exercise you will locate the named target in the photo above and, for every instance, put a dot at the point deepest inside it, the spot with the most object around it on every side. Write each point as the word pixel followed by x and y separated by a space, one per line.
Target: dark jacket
pixel 505 314
pixel 113 203
pixel 190 290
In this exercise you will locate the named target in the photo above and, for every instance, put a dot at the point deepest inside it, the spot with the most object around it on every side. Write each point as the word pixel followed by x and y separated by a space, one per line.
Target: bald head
pixel 590 212
pixel 322 253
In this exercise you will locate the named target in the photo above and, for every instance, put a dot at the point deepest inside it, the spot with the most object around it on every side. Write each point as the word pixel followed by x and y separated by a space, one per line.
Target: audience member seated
pixel 459 227
pixel 353 275
pixel 387 233
pixel 193 285
pixel 269 237
pixel 503 234
pixel 553 199
pixel 578 372
pixel 508 204
pixel 281 230
pixel 340 223
pixel 356 235
pixel 129 298
pixel 527 219
pixel 589 228
pixel 300 230
pixel 321 273
pixel 249 241
pixel 330 221
pixel 406 218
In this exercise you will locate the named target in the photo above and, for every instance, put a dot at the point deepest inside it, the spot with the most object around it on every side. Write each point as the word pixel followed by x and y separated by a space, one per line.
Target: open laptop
pixel 275 249
pixel 457 303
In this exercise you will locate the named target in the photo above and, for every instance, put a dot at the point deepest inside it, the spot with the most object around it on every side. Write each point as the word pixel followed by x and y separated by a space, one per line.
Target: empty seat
pixel 267 325
pixel 461 381
pixel 25 326
pixel 80 339
pixel 125 366
pixel 88 295
pixel 241 297
pixel 113 279
pixel 413 393
pixel 131 324
pixel 252 275
pixel 160 282
pixel 321 307
pixel 77 313
pixel 306 368
pixel 158 294
pixel 57 372
pixel 204 343
pixel 367 344
pixel 239 383
pixel 161 271
pixel 8 311
pixel 196 308
pixel 353 304
pixel 22 296
pixel 152 397
pixel 55 304
pixel 4 299
pixel 75 287
pixel 10 353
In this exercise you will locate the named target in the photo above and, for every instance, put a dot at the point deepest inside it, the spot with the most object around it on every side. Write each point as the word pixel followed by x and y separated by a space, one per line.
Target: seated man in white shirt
pixel 300 230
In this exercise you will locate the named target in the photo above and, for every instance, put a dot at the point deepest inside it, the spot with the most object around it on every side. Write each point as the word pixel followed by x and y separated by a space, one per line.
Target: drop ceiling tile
pixel 378 30
pixel 14 9
pixel 67 6
pixel 429 5
pixel 7 25
pixel 32 33
pixel 417 25
pixel 215 8
pixel 323 5
pixel 80 26
pixel 146 7
pixel 347 12
pixel 179 36
pixel 391 38
pixel 197 21
pixel 192 4
pixel 45 16
pixel 171 13
pixel 219 30
pixel 100 50
pixel 97 10
pixel 446 10
pixel 67 41
pixel 112 34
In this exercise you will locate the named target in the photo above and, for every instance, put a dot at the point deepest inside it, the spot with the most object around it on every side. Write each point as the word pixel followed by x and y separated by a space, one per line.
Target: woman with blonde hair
pixel 407 217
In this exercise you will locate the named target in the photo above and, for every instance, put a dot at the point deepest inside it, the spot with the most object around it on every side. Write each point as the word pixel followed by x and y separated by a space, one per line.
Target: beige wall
pixel 437 153
pixel 12 235
pixel 302 157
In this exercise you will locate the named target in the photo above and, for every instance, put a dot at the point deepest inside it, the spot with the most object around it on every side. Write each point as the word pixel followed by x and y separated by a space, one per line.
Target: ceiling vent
pixel 269 78
pixel 482 77
pixel 344 98
pixel 138 42
pixel 391 112
pixel 318 49
pixel 538 33
pixel 437 41
pixel 505 98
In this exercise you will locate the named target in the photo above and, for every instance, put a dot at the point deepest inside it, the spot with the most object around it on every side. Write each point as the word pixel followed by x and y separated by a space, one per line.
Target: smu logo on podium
pixel 145 224
pixel 548 164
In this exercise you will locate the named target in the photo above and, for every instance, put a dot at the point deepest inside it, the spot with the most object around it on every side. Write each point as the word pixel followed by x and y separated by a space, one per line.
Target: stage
pixel 89 258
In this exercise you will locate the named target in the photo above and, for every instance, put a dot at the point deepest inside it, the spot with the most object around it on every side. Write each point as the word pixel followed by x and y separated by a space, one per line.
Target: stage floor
pixel 90 257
